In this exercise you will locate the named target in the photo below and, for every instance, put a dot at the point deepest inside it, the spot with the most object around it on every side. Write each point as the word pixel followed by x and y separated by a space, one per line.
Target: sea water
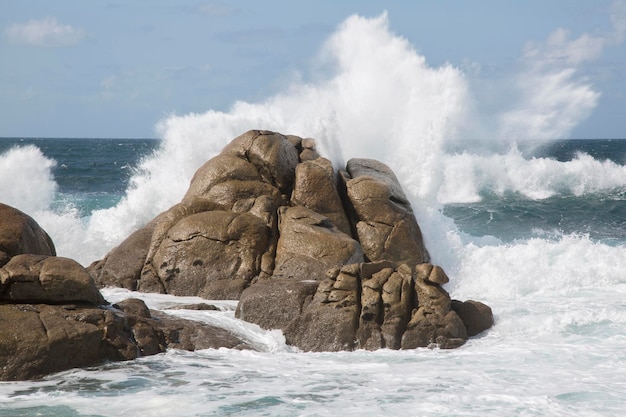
pixel 530 225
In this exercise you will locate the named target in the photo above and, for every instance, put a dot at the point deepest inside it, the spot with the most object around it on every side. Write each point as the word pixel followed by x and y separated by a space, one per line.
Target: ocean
pixel 531 224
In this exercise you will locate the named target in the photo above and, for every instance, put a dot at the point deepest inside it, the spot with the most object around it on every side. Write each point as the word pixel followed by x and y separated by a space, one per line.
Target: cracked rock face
pixel 214 254
pixel 335 259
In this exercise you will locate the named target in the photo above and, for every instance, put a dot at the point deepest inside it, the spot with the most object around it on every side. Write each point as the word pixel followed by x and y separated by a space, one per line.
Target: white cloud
pixel 46 32
pixel 560 50
pixel 618 19
pixel 553 94
pixel 216 9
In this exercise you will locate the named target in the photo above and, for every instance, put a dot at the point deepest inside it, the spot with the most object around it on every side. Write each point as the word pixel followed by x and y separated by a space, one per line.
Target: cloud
pixel 618 19
pixel 216 9
pixel 559 49
pixel 553 94
pixel 47 32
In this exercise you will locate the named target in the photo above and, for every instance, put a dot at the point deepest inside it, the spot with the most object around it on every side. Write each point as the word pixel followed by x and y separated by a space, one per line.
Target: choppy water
pixel 532 226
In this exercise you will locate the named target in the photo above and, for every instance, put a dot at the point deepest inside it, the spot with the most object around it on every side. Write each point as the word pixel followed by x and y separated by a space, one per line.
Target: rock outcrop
pixel 336 260
pixel 53 317
pixel 19 233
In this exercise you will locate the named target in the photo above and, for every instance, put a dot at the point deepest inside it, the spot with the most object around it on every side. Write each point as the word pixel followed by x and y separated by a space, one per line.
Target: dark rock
pixel 315 188
pixel 310 244
pixel 385 224
pixel 330 320
pixel 213 254
pixel 39 339
pixel 20 234
pixel 194 335
pixel 47 279
pixel 197 307
pixel 476 316
pixel 274 303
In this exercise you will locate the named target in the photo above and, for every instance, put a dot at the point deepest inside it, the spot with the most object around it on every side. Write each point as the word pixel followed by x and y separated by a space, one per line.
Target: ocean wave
pixel 468 177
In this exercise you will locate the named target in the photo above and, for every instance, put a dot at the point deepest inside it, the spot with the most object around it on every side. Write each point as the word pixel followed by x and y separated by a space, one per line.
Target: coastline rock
pixel 385 224
pixel 122 266
pixel 476 316
pixel 53 318
pixel 310 244
pixel 47 279
pixel 274 303
pixel 20 233
pixel 315 187
pixel 40 339
pixel 335 259
pixel 329 321
pixel 213 254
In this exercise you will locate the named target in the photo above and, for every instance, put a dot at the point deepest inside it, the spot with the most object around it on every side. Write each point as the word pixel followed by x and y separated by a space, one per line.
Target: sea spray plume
pixel 26 180
pixel 381 101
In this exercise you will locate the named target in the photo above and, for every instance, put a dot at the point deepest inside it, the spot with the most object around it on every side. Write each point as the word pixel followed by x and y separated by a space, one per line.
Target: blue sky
pixel 116 68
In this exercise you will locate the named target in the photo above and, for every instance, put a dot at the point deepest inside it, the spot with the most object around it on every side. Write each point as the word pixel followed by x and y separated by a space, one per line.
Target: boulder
pixel 213 254
pixel 274 303
pixel 476 316
pixel 433 322
pixel 273 155
pixel 20 233
pixel 310 244
pixel 386 303
pixel 40 339
pixel 53 318
pixel 47 279
pixel 315 188
pixel 122 266
pixel 329 321
pixel 156 331
pixel 385 224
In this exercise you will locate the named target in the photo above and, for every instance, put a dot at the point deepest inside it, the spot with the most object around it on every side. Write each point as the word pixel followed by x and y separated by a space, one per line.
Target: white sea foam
pixel 467 175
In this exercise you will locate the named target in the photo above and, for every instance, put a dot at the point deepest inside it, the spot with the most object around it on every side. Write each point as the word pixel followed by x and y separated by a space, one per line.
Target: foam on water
pixel 539 360
pixel 467 176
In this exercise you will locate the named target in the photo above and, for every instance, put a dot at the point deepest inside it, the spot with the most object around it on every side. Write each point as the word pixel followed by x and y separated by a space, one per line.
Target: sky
pixel 106 68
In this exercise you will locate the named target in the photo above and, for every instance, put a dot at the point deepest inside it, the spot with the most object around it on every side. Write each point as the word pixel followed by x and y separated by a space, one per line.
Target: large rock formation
pixel 52 316
pixel 336 260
